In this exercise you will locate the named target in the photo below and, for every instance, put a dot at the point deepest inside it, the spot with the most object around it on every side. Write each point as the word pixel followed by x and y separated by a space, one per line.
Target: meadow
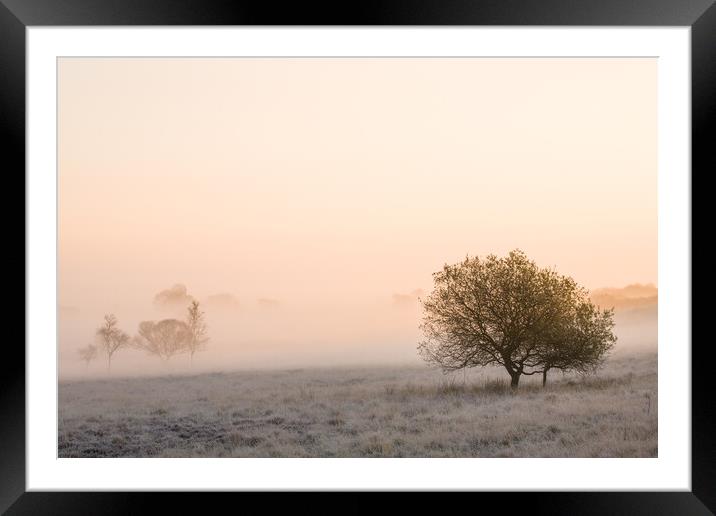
pixel 397 411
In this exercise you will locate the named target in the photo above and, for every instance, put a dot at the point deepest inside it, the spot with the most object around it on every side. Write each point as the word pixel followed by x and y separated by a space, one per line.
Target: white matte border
pixel 670 471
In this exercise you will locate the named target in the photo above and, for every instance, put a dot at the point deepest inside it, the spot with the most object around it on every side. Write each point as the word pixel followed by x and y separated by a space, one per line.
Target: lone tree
pixel 88 353
pixel 508 311
pixel 111 338
pixel 198 329
pixel 164 339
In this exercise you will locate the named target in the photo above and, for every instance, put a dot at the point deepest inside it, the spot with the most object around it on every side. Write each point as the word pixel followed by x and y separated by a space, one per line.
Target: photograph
pixel 357 257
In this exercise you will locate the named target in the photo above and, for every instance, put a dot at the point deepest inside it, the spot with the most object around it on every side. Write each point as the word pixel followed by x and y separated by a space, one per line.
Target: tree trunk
pixel 515 380
pixel 544 377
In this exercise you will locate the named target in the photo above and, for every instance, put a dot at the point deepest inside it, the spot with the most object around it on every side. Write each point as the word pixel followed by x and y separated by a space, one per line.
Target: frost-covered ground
pixel 365 412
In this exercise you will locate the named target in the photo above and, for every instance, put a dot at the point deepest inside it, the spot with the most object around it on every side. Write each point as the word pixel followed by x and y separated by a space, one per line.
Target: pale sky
pixel 331 185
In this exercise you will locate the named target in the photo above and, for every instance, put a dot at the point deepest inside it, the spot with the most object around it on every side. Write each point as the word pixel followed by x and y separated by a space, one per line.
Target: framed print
pixel 437 249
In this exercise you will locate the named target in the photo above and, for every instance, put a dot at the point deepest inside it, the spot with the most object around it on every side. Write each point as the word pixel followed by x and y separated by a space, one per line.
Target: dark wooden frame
pixel 16 15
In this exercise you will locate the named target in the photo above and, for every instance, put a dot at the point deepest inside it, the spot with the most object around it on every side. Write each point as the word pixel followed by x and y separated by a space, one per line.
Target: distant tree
pixel 174 298
pixel 88 353
pixel 509 312
pixel 110 338
pixel 198 328
pixel 164 339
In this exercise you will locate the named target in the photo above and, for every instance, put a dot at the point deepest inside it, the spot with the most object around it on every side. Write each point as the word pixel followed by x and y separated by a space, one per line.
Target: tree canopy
pixel 164 339
pixel 197 328
pixel 510 312
pixel 88 353
pixel 111 338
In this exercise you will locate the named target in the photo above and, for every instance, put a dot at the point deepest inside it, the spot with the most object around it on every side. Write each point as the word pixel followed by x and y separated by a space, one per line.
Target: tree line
pixel 482 311
pixel 164 339
pixel 509 312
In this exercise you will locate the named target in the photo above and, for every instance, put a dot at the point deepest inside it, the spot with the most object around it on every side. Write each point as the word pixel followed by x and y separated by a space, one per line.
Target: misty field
pixel 365 412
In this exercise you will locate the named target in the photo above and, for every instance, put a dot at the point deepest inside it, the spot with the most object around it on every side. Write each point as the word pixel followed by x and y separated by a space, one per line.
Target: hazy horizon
pixel 307 202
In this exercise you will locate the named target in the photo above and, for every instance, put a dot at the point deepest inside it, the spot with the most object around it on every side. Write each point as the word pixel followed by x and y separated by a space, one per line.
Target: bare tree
pixel 197 326
pixel 509 312
pixel 110 338
pixel 88 353
pixel 164 339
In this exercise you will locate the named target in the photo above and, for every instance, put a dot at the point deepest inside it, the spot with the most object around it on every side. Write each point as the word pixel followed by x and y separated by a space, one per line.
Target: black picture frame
pixel 17 15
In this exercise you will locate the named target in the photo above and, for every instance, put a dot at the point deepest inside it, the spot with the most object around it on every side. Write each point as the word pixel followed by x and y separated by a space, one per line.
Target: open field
pixel 365 412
